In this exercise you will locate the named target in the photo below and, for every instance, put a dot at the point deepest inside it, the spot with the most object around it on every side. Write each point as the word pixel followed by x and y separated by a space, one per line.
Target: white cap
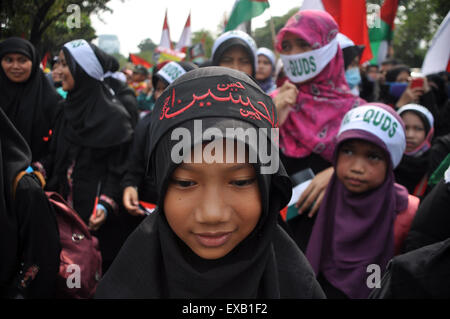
pixel 418 108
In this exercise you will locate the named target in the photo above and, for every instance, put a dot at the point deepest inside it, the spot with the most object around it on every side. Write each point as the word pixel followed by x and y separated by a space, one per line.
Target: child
pixel 364 215
pixel 215 232
pixel 412 171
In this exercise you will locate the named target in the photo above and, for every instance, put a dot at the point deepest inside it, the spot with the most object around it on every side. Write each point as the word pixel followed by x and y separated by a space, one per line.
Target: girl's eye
pixel 375 157
pixel 285 46
pixel 346 151
pixel 243 182
pixel 183 183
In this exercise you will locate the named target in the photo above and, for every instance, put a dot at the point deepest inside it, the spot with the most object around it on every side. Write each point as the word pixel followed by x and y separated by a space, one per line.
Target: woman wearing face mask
pixel 27 96
pixel 312 105
pixel 352 55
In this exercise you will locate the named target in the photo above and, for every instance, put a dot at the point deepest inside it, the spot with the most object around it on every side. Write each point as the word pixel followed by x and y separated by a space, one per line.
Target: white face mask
pixel 304 66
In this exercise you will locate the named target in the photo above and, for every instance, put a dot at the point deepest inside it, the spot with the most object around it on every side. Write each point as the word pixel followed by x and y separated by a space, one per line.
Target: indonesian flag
pixel 185 39
pixel 437 58
pixel 165 36
pixel 350 16
pixel 244 10
pixel 382 30
pixel 137 60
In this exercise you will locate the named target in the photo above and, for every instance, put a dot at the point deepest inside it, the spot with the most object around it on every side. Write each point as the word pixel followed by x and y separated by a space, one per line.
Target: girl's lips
pixel 354 182
pixel 211 240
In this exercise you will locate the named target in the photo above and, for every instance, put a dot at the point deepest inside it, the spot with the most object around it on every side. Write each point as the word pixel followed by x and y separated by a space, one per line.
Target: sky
pixel 135 20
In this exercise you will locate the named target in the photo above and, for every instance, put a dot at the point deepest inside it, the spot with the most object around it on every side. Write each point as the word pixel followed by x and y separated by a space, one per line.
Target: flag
pixel 185 39
pixel 45 60
pixel 137 60
pixel 351 17
pixel 244 10
pixel 381 31
pixel 437 58
pixel 165 36
pixel 165 54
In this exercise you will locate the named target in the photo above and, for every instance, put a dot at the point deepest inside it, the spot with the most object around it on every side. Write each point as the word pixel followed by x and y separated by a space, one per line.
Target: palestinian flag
pixel 351 17
pixel 381 31
pixel 244 10
pixel 437 58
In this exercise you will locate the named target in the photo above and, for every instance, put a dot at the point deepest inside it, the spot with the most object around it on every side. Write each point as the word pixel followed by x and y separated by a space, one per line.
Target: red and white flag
pixel 437 58
pixel 165 36
pixel 351 16
pixel 185 39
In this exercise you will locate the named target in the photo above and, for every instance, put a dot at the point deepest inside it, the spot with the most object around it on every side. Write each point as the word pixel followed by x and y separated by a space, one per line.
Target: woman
pixel 236 50
pixel 29 240
pixel 27 96
pixel 91 145
pixel 312 105
pixel 215 234
pixel 266 70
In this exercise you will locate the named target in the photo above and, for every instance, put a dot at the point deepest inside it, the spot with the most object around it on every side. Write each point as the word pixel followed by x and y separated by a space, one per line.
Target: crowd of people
pixel 376 137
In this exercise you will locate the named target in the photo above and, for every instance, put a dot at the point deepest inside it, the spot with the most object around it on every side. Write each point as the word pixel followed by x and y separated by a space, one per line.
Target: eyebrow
pixel 236 167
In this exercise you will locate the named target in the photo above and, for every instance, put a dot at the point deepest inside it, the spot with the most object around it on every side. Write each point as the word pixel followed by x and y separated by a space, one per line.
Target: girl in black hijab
pixel 29 241
pixel 218 259
pixel 91 144
pixel 27 96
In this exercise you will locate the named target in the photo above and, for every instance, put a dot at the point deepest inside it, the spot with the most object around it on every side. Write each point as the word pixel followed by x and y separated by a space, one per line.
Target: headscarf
pixel 266 264
pixel 353 231
pixel 32 106
pixel 95 117
pixel 15 156
pixel 268 85
pixel 415 164
pixel 312 125
pixel 232 38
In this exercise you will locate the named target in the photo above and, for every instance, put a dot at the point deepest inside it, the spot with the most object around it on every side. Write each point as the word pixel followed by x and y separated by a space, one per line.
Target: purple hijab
pixel 352 230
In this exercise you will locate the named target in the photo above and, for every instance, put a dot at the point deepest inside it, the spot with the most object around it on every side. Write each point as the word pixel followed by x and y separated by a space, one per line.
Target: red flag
pixel 137 60
pixel 351 16
pixel 44 60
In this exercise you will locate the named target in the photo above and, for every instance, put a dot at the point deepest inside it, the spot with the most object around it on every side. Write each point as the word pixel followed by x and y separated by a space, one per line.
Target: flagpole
pixel 272 31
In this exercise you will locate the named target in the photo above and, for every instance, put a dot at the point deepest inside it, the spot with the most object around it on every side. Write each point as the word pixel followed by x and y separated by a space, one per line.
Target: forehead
pixel 13 55
pixel 236 50
pixel 362 145
pixel 410 116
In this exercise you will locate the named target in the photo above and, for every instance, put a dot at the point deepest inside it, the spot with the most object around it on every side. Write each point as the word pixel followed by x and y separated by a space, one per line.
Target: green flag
pixel 244 10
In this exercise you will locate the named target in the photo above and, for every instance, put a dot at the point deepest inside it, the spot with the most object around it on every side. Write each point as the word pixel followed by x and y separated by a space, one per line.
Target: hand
pixel 410 96
pixel 314 192
pixel 287 96
pixel 97 219
pixel 131 201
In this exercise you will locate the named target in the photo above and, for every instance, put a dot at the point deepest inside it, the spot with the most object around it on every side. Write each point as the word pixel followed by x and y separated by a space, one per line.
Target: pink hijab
pixel 312 125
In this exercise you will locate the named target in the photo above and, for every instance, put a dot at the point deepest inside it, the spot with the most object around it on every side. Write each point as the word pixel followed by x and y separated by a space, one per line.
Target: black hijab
pixel 95 117
pixel 15 156
pixel 32 106
pixel 155 263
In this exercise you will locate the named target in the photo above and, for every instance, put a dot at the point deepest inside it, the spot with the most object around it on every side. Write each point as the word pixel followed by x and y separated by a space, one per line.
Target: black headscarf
pixel 96 118
pixel 32 106
pixel 155 263
pixel 15 156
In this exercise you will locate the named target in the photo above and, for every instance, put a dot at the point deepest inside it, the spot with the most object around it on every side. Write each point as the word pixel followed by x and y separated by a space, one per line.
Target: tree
pixel 147 45
pixel 48 23
pixel 417 22
pixel 203 36
pixel 263 36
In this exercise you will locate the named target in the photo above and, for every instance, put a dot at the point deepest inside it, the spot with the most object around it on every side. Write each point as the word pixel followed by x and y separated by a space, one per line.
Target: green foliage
pixel 208 38
pixel 263 36
pixel 417 22
pixel 44 22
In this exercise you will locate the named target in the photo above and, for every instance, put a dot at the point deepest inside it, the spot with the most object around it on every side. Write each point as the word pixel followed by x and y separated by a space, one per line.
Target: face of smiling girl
pixel 213 207
pixel 361 166
pixel 17 67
